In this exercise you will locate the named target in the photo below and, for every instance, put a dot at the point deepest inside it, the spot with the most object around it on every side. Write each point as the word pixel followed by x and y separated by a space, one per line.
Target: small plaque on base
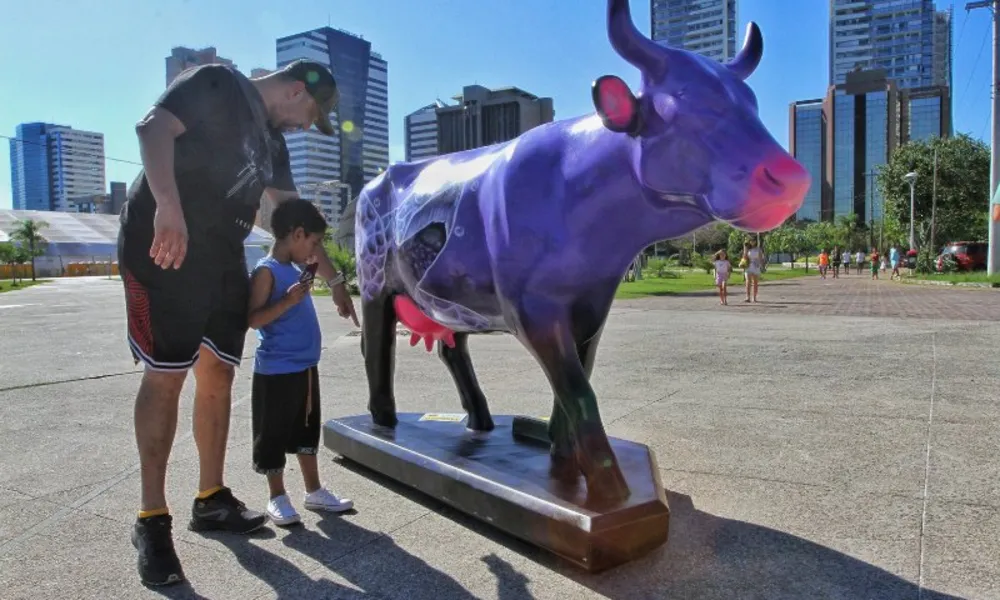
pixel 504 480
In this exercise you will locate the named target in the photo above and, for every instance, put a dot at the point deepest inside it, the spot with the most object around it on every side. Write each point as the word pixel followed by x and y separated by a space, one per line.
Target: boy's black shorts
pixel 172 312
pixel 286 417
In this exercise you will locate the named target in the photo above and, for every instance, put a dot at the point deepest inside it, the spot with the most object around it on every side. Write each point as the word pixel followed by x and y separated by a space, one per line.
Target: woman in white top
pixel 755 263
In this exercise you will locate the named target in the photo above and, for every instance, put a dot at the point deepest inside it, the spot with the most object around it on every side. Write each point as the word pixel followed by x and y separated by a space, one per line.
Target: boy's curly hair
pixel 295 213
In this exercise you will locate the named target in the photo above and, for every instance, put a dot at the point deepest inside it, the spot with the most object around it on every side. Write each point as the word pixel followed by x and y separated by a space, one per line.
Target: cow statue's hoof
pixel 478 423
pixel 383 415
pixel 564 469
pixel 606 484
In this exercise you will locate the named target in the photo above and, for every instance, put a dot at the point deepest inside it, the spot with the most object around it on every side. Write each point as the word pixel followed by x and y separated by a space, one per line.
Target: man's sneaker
pixel 282 512
pixel 323 499
pixel 158 562
pixel 223 512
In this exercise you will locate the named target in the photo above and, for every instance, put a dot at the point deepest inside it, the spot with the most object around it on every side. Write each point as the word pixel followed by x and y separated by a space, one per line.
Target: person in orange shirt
pixel 875 265
pixel 824 263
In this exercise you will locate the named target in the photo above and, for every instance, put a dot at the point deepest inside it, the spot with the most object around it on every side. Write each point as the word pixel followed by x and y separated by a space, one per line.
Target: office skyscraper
pixel 844 138
pixel 483 117
pixel 182 59
pixel 704 26
pixel 908 39
pixel 421 132
pixel 360 149
pixel 55 167
pixel 808 145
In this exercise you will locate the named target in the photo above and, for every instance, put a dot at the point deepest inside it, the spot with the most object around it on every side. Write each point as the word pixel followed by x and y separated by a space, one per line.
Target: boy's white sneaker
pixel 324 499
pixel 282 512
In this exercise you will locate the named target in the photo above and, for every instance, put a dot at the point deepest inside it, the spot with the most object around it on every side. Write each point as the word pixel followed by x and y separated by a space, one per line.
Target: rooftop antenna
pixel 328 19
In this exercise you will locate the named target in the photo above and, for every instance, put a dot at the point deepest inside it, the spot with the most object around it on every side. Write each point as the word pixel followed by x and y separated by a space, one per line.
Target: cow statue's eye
pixel 665 105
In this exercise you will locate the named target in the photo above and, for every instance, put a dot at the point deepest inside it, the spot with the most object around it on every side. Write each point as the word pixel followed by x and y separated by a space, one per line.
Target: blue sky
pixel 99 64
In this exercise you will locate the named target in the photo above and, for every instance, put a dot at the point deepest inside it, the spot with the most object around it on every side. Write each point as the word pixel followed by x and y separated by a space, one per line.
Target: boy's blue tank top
pixel 292 342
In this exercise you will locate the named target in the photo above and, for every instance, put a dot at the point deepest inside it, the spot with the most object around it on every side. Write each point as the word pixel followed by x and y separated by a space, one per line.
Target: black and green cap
pixel 321 86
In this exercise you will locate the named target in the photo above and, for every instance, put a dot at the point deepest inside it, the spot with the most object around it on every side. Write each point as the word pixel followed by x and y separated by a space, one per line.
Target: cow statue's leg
pixel 378 345
pixel 551 341
pixel 460 366
pixel 564 463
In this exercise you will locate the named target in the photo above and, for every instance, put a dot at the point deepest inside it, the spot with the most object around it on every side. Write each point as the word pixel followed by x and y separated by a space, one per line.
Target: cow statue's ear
pixel 617 106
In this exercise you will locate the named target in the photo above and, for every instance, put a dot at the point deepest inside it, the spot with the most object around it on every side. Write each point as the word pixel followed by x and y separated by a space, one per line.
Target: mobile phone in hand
pixel 309 273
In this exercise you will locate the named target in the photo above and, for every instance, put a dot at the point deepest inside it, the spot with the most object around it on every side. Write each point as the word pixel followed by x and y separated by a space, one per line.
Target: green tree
pixel 343 259
pixel 963 176
pixel 18 257
pixel 28 235
pixel 787 239
pixel 7 254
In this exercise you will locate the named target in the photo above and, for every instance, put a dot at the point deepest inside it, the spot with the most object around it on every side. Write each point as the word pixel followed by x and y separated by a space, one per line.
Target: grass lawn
pixel 686 281
pixel 973 277
pixel 7 285
pixel 691 281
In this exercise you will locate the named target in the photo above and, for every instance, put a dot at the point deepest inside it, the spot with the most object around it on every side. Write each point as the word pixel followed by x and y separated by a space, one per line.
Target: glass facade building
pixel 707 27
pixel 29 167
pixel 863 120
pixel 843 155
pixel 360 149
pixel 876 139
pixel 55 167
pixel 924 120
pixel 808 147
pixel 908 39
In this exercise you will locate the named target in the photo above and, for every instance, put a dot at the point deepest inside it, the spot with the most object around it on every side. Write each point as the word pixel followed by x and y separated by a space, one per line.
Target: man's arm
pixel 195 96
pixel 157 132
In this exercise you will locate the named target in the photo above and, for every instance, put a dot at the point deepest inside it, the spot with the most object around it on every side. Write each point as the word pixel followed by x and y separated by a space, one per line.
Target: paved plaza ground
pixel 838 440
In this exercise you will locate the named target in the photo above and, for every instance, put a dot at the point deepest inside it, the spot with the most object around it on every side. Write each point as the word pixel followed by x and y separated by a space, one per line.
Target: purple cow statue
pixel 531 236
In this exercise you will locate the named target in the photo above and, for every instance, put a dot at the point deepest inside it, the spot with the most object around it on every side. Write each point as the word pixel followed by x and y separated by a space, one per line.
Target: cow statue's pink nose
pixel 420 325
pixel 777 187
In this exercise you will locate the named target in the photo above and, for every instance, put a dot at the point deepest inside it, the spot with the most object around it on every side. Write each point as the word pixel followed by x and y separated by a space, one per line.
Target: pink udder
pixel 420 325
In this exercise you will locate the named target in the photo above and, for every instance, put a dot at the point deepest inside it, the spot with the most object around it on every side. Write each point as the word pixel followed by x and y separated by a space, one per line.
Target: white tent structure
pixel 92 238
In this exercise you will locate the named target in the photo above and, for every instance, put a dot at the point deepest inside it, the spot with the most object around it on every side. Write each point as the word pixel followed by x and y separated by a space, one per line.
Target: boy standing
pixel 285 397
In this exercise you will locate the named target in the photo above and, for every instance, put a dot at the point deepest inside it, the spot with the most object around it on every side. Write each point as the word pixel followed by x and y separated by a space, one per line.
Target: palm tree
pixel 28 233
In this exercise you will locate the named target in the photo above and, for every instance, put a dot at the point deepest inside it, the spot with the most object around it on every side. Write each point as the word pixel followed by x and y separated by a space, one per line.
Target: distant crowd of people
pixel 753 262
pixel 875 261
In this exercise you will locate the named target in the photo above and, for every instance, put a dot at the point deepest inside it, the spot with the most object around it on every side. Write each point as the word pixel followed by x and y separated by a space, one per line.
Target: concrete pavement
pixel 838 440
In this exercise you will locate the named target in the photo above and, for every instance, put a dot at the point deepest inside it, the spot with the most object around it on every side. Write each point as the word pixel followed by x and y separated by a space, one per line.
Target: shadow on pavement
pixel 371 562
pixel 179 591
pixel 714 557
pixel 705 557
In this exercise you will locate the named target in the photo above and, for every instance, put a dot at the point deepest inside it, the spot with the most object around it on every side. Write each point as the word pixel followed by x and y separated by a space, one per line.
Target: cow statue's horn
pixel 640 51
pixel 748 58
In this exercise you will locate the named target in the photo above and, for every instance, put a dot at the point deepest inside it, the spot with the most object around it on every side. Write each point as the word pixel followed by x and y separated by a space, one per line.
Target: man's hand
pixel 345 305
pixel 170 236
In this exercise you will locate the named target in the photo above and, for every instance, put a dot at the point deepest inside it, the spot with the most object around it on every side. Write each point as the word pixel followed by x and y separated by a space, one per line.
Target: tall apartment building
pixel 182 59
pixel 942 57
pixel 707 27
pixel 908 39
pixel 421 132
pixel 844 138
pixel 484 117
pixel 360 149
pixel 55 167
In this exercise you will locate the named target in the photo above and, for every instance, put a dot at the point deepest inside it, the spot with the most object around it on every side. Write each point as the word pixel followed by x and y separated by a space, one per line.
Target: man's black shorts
pixel 172 312
pixel 286 417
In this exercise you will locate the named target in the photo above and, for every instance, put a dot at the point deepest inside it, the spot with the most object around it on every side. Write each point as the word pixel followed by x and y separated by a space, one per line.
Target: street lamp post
pixel 911 178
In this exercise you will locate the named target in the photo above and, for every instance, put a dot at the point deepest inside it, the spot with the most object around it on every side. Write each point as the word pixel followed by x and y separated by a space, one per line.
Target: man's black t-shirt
pixel 223 161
